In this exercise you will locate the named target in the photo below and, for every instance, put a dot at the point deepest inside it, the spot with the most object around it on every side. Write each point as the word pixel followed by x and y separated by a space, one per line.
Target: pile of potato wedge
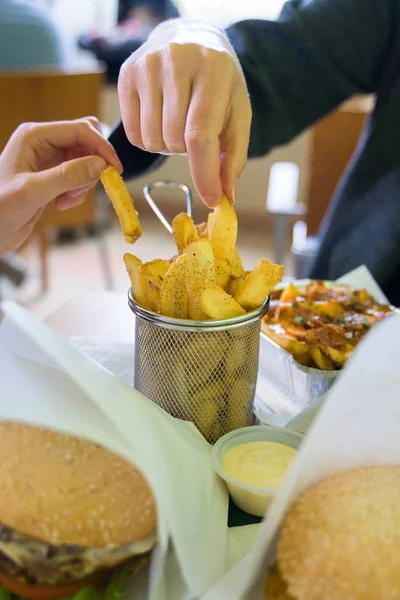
pixel 206 279
pixel 321 325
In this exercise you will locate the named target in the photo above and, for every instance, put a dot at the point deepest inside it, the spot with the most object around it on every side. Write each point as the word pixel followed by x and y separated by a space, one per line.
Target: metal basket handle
pixel 171 184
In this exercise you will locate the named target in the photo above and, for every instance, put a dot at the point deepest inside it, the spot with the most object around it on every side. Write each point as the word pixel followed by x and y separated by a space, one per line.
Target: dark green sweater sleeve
pixel 315 56
pixel 299 68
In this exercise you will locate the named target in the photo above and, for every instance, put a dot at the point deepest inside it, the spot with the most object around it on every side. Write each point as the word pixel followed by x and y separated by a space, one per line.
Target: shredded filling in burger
pixel 76 520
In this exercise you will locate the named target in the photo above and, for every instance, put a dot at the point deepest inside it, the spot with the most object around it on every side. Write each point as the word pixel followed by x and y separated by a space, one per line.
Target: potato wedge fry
pixel 122 202
pixel 201 261
pixel 210 391
pixel 202 231
pixel 217 304
pixel 236 356
pixel 278 334
pixel 173 295
pixel 222 272
pixel 238 404
pixel 339 357
pixel 193 238
pixel 290 293
pixel 195 286
pixel 258 284
pixel 222 230
pixel 155 271
pixel 236 263
pixel 328 308
pixel 202 356
pixel 322 361
pixel 173 368
pixel 207 421
pixel 183 229
pixel 303 359
pixel 153 298
pixel 235 283
pixel 140 284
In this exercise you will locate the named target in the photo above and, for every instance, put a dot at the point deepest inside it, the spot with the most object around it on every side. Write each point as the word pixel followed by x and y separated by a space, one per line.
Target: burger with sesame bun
pixel 75 519
pixel 341 540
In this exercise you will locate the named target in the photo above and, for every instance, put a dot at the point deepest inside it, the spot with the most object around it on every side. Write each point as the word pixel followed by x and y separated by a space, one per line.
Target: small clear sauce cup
pixel 252 499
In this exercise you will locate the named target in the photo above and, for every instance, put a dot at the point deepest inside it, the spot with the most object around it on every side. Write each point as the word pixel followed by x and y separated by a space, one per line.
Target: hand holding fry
pixel 44 162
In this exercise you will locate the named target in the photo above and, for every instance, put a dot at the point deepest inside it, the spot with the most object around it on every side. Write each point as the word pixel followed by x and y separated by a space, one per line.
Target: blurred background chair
pixel 48 96
pixel 283 205
pixel 332 143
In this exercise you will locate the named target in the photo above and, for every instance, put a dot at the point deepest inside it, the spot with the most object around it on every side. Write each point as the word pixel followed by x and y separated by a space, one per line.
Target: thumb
pixel 66 177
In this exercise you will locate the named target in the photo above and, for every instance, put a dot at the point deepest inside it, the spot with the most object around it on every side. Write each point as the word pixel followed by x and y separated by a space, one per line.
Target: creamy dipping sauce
pixel 260 464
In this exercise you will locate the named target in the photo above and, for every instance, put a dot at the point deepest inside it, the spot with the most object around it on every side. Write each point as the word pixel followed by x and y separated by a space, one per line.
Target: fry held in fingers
pixel 122 202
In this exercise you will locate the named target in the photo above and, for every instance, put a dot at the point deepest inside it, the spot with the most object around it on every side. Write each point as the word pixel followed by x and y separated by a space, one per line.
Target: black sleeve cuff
pixel 136 162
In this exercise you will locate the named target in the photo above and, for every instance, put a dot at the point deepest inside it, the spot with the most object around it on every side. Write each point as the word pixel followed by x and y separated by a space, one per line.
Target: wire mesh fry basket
pixel 200 371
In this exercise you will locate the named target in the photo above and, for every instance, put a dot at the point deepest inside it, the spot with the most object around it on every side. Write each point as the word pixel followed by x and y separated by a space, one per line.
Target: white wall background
pixel 75 16
pixel 226 12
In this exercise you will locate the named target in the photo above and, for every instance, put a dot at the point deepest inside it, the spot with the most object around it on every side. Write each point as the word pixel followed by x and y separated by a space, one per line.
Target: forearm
pixel 315 56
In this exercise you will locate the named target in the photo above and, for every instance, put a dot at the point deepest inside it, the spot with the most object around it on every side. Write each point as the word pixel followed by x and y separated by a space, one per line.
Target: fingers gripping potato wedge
pixel 155 271
pixel 201 261
pixel 217 304
pixel 258 284
pixel 173 295
pixel 222 230
pixel 140 284
pixel 122 202
pixel 183 229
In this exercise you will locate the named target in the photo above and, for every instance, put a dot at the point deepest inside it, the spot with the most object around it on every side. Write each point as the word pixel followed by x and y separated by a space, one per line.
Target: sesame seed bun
pixel 341 540
pixel 65 490
pixel 276 588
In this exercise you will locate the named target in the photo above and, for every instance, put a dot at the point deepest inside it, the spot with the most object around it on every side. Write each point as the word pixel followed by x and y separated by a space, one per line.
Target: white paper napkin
pixel 357 425
pixel 46 381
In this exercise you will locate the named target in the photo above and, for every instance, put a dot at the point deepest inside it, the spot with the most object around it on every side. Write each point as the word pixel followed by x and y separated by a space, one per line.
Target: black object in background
pixel 163 9
pixel 239 518
pixel 114 53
